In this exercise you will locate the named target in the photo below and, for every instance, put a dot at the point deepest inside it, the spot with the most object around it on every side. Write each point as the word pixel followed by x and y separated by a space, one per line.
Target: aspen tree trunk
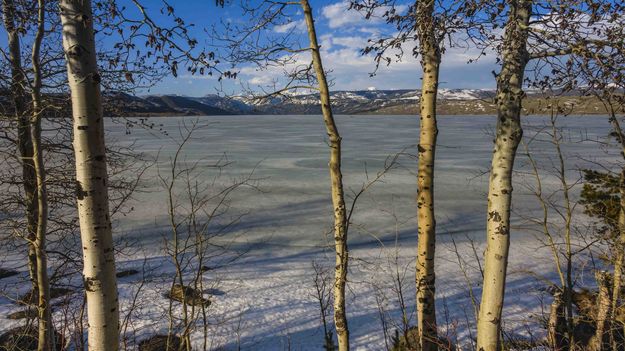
pixel 24 142
pixel 336 178
pixel 509 133
pixel 425 276
pixel 91 175
pixel 556 327
pixel 603 311
pixel 46 326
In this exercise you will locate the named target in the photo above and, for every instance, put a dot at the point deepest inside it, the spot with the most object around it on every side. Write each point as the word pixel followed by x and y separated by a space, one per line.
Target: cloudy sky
pixel 342 34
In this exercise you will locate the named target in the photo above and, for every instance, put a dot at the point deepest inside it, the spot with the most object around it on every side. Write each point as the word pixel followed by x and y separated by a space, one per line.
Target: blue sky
pixel 342 34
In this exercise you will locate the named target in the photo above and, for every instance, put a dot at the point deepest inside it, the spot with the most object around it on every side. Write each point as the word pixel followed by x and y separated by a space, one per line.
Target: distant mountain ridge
pixel 383 102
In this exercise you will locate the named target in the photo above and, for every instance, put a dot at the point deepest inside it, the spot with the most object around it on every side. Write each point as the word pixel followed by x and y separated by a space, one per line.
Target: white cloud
pixel 350 70
pixel 350 42
pixel 260 80
pixel 260 77
pixel 298 26
pixel 326 41
pixel 339 15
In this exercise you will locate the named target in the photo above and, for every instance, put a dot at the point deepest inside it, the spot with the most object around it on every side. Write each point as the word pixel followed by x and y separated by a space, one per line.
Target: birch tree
pixel 336 179
pixel 430 61
pixel 37 88
pixel 508 136
pixel 91 175
pixel 534 32
pixel 425 25
pixel 46 328
pixel 169 46
pixel 300 73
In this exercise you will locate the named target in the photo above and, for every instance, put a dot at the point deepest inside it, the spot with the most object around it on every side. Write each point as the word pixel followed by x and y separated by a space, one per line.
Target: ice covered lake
pixel 287 157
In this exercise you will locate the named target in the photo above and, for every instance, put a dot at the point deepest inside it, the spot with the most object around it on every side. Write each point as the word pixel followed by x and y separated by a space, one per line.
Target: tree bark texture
pixel 508 136
pixel 46 328
pixel 91 175
pixel 428 131
pixel 336 178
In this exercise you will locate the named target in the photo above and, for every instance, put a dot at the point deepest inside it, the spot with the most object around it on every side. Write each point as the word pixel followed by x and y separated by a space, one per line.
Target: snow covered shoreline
pixel 267 300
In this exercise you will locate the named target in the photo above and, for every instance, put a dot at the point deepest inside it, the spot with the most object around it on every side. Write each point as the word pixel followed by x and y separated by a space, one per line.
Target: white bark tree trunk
pixel 509 133
pixel 46 328
pixel 425 275
pixel 91 175
pixel 336 178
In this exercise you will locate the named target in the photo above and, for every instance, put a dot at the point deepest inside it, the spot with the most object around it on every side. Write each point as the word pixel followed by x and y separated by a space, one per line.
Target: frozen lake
pixel 288 158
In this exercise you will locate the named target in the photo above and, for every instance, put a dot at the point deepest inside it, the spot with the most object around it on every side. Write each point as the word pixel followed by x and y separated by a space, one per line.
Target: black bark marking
pixel 90 284
pixel 494 215
pixel 80 193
